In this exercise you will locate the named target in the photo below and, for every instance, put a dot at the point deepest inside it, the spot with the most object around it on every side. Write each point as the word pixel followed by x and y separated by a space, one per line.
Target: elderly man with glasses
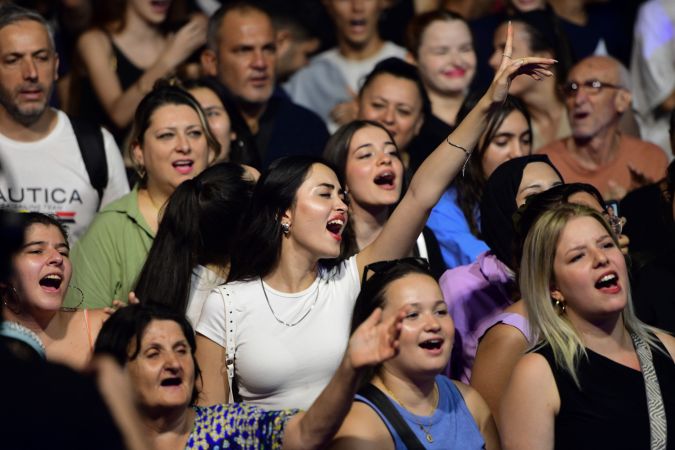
pixel 597 93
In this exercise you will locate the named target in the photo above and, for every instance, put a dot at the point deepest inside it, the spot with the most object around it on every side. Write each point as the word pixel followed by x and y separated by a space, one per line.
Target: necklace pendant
pixel 429 437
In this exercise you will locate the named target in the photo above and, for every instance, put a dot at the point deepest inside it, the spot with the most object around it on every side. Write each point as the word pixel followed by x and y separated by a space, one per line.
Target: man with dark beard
pixel 38 145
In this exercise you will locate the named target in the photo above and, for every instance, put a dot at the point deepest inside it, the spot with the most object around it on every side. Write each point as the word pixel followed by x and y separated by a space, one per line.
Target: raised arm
pixel 374 342
pixel 434 175
pixel 95 50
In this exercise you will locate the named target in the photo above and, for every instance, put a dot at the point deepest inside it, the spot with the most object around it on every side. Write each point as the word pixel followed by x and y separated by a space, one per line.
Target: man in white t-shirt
pixel 329 84
pixel 38 147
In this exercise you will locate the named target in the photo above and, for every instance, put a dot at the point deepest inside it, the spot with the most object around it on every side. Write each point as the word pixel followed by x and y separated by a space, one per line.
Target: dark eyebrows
pixel 327 185
pixel 59 245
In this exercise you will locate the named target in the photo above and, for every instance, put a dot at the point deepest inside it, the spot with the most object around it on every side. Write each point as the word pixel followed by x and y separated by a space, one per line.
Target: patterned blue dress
pixel 237 426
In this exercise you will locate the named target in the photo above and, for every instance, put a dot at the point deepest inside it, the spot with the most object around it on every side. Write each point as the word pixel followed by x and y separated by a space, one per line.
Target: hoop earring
pixel 560 306
pixel 285 228
pixel 14 306
pixel 74 308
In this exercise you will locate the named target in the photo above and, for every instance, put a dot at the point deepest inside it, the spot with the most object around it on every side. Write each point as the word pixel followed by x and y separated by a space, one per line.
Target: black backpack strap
pixel 382 402
pixel 90 140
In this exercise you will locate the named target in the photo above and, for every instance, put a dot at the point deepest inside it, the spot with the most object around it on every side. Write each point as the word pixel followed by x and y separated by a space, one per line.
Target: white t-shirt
pixel 202 282
pixel 49 176
pixel 277 366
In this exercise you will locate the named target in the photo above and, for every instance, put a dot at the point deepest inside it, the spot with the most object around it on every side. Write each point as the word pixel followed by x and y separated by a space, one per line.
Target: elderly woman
pixel 157 348
pixel 598 377
pixel 171 142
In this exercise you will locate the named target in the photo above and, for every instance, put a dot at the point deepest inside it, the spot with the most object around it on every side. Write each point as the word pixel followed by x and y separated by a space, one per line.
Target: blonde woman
pixel 596 368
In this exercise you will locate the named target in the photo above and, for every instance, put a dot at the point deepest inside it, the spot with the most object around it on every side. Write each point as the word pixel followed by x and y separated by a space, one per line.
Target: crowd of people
pixel 346 224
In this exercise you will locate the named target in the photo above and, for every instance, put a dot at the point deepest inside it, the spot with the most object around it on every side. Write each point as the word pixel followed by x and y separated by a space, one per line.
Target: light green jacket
pixel 109 257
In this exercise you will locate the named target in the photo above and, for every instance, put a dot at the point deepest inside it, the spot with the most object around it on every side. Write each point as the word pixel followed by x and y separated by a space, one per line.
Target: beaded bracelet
pixel 466 152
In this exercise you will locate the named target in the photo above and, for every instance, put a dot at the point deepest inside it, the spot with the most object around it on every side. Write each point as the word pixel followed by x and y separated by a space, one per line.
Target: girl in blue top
pixel 441 413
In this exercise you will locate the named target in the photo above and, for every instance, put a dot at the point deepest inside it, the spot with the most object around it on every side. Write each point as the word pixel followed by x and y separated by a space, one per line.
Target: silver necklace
pixel 269 305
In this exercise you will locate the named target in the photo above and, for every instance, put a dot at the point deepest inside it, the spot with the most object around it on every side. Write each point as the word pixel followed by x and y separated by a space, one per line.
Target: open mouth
pixel 385 179
pixel 580 115
pixel 183 166
pixel 335 227
pixel 358 23
pixel 608 282
pixel 52 281
pixel 432 344
pixel 171 382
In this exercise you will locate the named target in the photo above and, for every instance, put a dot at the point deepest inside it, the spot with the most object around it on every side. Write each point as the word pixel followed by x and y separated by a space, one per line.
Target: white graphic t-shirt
pixel 49 176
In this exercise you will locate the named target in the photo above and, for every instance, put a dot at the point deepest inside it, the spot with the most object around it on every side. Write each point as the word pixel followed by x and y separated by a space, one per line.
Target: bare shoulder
pixel 474 401
pixel 362 429
pixel 504 336
pixel 94 39
pixel 668 342
pixel 533 365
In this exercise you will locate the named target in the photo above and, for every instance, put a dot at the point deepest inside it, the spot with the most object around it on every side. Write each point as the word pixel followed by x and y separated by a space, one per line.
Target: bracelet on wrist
pixel 466 152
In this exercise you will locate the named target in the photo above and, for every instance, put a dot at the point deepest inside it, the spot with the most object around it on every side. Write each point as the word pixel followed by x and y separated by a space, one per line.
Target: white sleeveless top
pixel 277 366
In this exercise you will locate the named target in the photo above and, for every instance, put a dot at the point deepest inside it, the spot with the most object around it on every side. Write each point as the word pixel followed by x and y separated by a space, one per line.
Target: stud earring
pixel 285 228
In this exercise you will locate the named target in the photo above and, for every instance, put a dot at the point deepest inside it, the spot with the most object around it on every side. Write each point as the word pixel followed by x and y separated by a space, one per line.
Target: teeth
pixel 54 277
pixel 607 277
pixel 336 222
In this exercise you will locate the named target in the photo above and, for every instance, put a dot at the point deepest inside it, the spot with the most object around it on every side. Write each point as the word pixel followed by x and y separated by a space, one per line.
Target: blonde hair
pixel 536 278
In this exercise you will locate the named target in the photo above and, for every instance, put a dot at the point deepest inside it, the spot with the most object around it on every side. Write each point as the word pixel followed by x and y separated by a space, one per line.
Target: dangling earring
pixel 285 228
pixel 74 308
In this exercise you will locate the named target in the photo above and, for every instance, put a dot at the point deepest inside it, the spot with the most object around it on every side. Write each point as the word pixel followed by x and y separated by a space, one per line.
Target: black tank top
pixel 90 107
pixel 610 409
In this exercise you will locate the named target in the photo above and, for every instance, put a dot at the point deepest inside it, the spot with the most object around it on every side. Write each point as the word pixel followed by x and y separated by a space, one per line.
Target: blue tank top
pixel 452 425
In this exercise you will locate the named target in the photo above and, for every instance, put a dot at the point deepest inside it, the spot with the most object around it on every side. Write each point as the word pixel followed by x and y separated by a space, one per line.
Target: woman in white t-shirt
pixel 285 313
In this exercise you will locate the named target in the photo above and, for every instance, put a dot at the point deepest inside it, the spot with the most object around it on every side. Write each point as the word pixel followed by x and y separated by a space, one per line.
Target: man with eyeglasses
pixel 596 94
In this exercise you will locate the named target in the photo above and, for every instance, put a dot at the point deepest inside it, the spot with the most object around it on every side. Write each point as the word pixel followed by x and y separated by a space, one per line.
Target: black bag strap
pixel 382 402
pixel 90 140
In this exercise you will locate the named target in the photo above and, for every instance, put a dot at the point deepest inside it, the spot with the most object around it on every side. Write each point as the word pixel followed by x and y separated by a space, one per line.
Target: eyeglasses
pixel 592 87
pixel 381 267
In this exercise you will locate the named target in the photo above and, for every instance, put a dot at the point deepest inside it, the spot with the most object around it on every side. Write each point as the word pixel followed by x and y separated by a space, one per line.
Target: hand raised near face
pixel 375 340
pixel 510 68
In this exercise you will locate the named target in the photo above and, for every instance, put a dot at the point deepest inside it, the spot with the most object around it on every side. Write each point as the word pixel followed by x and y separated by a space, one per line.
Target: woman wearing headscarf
pixel 478 291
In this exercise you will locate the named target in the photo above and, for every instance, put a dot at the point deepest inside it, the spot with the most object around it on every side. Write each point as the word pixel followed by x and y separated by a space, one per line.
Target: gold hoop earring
pixel 560 306
pixel 74 308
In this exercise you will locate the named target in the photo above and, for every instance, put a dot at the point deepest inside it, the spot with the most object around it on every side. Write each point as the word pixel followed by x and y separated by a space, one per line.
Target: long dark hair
pixel 336 153
pixel 128 325
pixel 470 186
pixel 198 226
pixel 258 247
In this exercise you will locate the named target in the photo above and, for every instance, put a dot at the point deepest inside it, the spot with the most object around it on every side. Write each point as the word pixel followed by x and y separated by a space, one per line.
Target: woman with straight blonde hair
pixel 597 377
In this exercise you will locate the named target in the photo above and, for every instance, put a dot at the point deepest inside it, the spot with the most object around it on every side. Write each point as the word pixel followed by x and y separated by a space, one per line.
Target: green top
pixel 109 257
